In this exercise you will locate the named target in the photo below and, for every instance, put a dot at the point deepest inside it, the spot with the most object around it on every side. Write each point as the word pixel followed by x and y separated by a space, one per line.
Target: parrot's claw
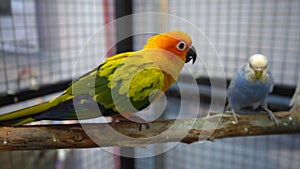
pixel 236 121
pixel 139 121
pixel 136 119
pixel 140 125
pixel 272 116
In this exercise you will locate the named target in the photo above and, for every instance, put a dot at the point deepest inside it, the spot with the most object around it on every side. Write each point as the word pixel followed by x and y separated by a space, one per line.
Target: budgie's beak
pixel 191 55
pixel 258 74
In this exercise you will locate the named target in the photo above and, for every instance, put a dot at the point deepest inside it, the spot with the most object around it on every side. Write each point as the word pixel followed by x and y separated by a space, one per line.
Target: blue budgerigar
pixel 250 86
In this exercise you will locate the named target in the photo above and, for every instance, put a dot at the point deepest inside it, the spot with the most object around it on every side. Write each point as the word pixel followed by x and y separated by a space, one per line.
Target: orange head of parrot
pixel 176 42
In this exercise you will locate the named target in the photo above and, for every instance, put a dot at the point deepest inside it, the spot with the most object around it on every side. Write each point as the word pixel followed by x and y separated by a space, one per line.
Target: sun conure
pixel 122 85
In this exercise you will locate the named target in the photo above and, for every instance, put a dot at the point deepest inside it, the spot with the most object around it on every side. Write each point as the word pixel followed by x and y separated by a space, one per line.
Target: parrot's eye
pixel 181 45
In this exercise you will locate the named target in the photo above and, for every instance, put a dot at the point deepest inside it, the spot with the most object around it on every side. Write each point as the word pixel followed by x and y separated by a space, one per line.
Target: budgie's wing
pixel 232 84
pixel 235 87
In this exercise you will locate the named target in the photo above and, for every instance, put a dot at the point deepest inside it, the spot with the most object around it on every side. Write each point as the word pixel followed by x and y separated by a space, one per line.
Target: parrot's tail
pixel 23 116
pixel 28 115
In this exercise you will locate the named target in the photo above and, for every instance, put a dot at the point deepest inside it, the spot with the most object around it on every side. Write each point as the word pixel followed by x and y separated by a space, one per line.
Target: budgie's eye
pixel 181 45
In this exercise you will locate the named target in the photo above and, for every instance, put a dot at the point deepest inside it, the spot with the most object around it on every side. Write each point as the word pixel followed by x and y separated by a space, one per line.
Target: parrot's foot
pixel 227 110
pixel 236 121
pixel 272 116
pixel 139 121
pixel 131 117
pixel 230 114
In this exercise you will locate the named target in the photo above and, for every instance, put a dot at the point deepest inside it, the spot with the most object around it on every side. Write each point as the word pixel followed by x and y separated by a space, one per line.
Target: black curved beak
pixel 191 55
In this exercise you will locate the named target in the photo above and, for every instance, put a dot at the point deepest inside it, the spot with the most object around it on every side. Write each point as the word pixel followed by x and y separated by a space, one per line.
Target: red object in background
pixel 109 16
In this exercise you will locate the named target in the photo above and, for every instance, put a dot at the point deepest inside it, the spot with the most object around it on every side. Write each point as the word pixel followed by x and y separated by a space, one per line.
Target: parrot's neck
pixel 171 73
pixel 172 66
pixel 250 75
pixel 168 81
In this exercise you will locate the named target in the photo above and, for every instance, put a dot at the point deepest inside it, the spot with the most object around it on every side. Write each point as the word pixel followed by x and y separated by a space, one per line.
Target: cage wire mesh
pixel 41 39
pixel 237 30
pixel 40 43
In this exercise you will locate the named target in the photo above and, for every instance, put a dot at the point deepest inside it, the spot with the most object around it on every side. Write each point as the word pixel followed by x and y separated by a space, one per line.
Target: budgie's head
pixel 176 42
pixel 257 67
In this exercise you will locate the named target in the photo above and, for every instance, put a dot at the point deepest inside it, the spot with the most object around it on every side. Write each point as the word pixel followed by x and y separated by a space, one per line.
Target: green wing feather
pixel 123 83
pixel 130 82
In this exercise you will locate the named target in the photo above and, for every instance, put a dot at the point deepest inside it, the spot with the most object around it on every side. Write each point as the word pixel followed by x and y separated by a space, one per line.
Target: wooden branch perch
pixel 184 130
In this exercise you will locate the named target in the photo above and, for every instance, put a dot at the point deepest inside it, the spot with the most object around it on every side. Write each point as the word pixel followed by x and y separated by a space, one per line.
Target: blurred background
pixel 44 44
